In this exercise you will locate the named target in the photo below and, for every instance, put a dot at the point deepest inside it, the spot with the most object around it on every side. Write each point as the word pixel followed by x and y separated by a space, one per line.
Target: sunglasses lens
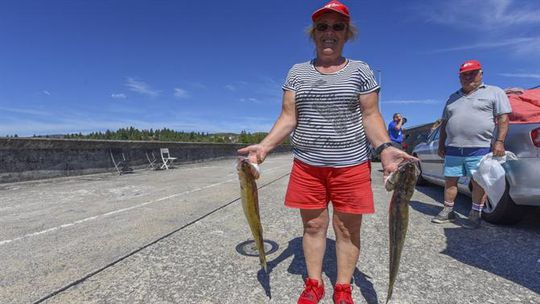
pixel 321 27
pixel 338 27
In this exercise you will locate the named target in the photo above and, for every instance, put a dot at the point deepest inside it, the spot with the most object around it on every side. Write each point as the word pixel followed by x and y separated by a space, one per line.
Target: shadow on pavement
pixel 530 222
pixel 511 252
pixel 298 267
pixel 462 203
pixel 502 251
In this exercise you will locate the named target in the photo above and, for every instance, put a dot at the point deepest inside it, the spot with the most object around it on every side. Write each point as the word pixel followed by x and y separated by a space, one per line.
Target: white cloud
pixel 198 85
pixel 251 100
pixel 521 75
pixel 45 92
pixel 518 46
pixel 141 87
pixel 490 45
pixel 412 101
pixel 237 85
pixel 230 87
pixel 486 15
pixel 499 24
pixel 268 90
pixel 263 89
pixel 26 111
pixel 180 93
pixel 119 96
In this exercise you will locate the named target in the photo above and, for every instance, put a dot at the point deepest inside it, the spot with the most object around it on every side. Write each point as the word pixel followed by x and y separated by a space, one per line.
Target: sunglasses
pixel 336 27
pixel 469 73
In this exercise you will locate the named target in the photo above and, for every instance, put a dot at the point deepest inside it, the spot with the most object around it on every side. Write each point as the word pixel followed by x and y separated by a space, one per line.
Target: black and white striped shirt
pixel 329 130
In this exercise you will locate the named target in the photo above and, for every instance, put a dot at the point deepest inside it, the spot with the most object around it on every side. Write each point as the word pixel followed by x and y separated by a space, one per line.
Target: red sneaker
pixel 312 293
pixel 343 294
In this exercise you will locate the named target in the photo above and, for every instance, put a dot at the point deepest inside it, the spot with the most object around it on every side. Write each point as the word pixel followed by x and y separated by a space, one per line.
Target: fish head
pixel 405 176
pixel 245 167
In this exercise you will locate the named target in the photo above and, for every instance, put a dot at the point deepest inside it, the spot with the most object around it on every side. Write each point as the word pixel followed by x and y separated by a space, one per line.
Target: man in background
pixel 467 134
pixel 395 130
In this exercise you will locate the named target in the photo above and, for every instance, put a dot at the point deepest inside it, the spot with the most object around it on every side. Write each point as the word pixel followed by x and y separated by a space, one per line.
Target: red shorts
pixel 349 188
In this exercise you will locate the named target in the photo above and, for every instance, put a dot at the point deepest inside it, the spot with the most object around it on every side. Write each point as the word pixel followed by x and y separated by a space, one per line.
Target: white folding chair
pixel 166 158
pixel 122 164
pixel 152 160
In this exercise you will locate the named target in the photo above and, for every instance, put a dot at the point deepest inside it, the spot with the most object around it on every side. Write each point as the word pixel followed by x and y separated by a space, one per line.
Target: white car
pixel 522 175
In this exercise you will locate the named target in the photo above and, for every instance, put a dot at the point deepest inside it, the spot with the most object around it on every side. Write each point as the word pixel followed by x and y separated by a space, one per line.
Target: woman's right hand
pixel 256 153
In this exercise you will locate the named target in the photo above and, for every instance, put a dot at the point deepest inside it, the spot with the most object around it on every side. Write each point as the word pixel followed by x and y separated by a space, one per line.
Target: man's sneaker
pixel 446 215
pixel 473 221
pixel 343 294
pixel 313 292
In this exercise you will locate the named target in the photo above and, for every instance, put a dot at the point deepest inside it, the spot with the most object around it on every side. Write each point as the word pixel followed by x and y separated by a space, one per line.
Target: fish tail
pixel 262 256
pixel 265 266
pixel 389 296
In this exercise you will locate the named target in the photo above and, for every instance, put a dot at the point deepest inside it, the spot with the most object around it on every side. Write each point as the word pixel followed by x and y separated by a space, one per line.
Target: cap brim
pixel 470 69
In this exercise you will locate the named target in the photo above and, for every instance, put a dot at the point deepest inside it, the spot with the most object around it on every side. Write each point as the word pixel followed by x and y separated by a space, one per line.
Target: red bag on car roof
pixel 525 105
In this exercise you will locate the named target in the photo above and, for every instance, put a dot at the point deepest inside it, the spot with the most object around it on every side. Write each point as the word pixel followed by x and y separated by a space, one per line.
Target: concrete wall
pixel 24 159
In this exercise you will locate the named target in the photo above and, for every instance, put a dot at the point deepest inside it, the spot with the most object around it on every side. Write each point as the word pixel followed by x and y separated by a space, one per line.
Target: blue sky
pixel 218 66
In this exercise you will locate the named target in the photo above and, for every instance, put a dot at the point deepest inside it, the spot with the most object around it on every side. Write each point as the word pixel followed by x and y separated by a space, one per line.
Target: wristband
pixel 500 140
pixel 380 148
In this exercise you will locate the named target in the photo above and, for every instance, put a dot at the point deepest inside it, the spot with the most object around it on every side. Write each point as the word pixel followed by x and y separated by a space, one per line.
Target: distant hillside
pixel 165 134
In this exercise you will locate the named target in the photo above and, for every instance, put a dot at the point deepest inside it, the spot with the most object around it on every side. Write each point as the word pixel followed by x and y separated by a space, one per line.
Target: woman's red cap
pixel 332 6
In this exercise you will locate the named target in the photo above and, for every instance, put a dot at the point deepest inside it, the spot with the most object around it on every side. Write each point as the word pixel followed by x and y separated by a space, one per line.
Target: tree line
pixel 166 134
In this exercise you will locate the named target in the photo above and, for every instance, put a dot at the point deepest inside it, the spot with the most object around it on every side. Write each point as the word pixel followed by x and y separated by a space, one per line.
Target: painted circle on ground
pixel 248 248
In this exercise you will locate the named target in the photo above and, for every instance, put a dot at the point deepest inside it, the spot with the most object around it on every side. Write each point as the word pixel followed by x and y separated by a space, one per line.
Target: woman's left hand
pixel 391 157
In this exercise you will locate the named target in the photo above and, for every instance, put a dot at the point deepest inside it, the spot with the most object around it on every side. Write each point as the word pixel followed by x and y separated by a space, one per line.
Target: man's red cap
pixel 332 6
pixel 470 65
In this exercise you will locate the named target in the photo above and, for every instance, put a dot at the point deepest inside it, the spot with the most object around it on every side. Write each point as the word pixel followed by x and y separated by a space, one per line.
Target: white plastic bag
pixel 490 175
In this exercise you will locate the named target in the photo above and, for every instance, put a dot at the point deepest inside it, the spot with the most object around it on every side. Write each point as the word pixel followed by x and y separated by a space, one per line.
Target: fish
pixel 402 182
pixel 247 174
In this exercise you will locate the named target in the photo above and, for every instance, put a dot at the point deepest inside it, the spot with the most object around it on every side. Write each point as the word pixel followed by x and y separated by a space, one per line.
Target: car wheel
pixel 503 212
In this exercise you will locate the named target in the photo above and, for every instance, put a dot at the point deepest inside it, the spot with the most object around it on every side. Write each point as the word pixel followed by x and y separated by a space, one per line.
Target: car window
pixel 434 135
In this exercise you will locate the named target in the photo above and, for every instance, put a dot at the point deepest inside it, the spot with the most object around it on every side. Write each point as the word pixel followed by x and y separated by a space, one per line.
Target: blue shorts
pixel 457 166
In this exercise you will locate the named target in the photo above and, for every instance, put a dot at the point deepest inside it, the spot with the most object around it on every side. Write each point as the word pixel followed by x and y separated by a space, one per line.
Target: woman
pixel 330 105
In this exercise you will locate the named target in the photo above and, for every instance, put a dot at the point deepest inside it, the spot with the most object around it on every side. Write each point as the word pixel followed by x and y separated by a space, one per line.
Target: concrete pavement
pixel 170 237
